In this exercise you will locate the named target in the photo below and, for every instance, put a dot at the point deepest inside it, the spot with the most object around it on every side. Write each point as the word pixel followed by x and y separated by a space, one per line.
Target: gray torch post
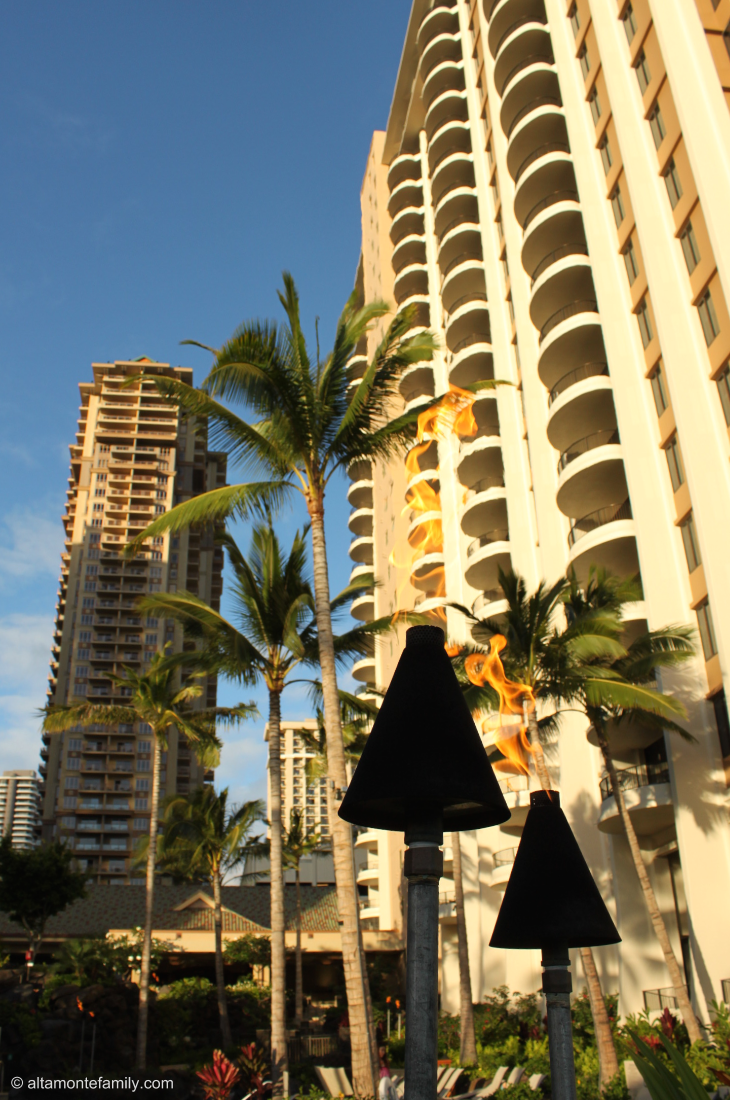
pixel 423 867
pixel 557 985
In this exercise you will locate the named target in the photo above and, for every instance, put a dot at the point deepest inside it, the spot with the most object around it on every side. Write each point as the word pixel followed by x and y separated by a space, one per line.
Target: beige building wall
pixel 556 180
pixel 133 459
pixel 20 807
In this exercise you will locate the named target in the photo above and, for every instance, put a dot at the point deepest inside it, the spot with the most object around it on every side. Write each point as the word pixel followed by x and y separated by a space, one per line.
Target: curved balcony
pixel 409 193
pixel 548 179
pixel 359 469
pixel 486 413
pixel 465 280
pixel 469 322
pixel 356 366
pixel 453 137
pixel 605 537
pixel 557 230
pixel 363 607
pixel 564 278
pixel 598 370
pixel 418 306
pixel 575 312
pixel 626 737
pixel 456 170
pixel 360 493
pixel 446 77
pixel 481 459
pixel 504 860
pixel 527 43
pixel 411 249
pixel 489 605
pixel 458 204
pixel 426 569
pixel 648 794
pixel 516 792
pixel 364 670
pixel 536 83
pixel 442 47
pixel 407 166
pixel 406 222
pixel 508 14
pixel 441 19
pixel 411 280
pixel 591 472
pixel 448 105
pixel 361 550
pixel 360 522
pixel 534 135
pixel 485 509
pixel 425 527
pixel 463 242
pixel 485 556
pixel 426 604
pixel 368 875
pixel 472 364
pixel 367 840
pixel 423 459
pixel 573 342
pixel 417 382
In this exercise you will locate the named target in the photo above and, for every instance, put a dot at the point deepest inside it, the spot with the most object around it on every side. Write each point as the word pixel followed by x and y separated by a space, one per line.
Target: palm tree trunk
pixel 607 1059
pixel 278 948
pixel 363 1070
pixel 537 752
pixel 219 975
pixel 660 929
pixel 144 981
pixel 298 994
pixel 468 1050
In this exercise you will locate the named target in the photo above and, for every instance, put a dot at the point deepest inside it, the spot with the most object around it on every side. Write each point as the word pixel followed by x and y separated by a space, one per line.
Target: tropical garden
pixel 291 420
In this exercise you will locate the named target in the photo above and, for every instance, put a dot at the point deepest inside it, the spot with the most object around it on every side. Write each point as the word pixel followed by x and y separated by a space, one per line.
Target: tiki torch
pixel 424 770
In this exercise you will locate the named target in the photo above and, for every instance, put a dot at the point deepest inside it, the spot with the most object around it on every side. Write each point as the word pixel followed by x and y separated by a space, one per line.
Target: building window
pixel 629 21
pixel 140 803
pixel 690 248
pixel 719 703
pixel 574 20
pixel 691 545
pixel 674 188
pixel 643 74
pixel 726 37
pixel 656 123
pixel 642 316
pixel 142 784
pixel 617 206
pixel 723 386
pixel 632 266
pixel 605 150
pixel 595 105
pixel 658 390
pixel 585 61
pixel 674 462
pixel 707 630
pixel 708 318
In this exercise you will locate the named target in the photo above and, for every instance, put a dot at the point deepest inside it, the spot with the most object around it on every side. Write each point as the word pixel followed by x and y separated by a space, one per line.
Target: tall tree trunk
pixel 468 1050
pixel 607 1059
pixel 660 929
pixel 298 993
pixel 144 981
pixel 220 981
pixel 278 949
pixel 363 1070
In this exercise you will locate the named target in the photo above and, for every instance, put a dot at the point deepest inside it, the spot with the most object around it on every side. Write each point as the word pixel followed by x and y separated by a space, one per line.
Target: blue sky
pixel 162 163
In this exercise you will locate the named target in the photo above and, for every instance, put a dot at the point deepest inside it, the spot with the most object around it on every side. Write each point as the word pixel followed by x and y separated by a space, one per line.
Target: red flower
pixel 219 1077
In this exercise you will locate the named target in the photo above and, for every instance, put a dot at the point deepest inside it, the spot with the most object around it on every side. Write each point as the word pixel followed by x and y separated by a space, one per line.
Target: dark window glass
pixel 674 188
pixel 595 105
pixel 658 129
pixel 726 38
pixel 632 267
pixel 690 247
pixel 707 631
pixel 658 389
pixel 708 318
pixel 585 61
pixel 723 386
pixel 606 157
pixel 691 544
pixel 674 462
pixel 642 316
pixel 617 206
pixel 629 22
pixel 574 20
pixel 643 74
pixel 719 703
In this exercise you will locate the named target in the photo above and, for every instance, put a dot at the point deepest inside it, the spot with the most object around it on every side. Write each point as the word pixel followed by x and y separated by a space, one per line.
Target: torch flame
pixel 79 1004
pixel 516 702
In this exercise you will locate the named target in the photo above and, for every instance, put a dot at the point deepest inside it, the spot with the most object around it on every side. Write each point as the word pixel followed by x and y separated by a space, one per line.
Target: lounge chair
pixel 491 1088
pixel 334 1081
pixel 536 1081
pixel 448 1082
pixel 515 1076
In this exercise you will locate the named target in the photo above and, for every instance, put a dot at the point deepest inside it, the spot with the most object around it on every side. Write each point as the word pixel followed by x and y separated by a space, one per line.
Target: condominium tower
pixel 20 807
pixel 134 458
pixel 550 197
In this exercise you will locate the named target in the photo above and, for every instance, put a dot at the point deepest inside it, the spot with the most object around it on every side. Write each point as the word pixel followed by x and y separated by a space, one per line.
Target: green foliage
pixel 15 1014
pixel 667 1079
pixel 519 1090
pixel 248 949
pixel 397 1050
pixel 37 884
pixel 193 988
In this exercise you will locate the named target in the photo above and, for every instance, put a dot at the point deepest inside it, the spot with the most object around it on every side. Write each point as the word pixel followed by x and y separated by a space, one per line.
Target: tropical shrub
pixel 220 1077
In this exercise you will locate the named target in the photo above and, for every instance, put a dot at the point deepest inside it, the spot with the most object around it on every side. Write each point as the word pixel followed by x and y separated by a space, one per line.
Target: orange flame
pixel 79 1004
pixel 453 649
pixel 452 413
pixel 515 700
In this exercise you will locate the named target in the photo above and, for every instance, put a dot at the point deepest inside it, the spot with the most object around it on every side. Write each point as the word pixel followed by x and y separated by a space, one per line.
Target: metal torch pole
pixel 423 866
pixel 556 985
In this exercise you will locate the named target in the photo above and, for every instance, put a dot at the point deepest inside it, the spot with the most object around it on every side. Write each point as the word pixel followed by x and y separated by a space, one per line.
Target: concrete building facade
pixel 550 197
pixel 134 458
pixel 20 807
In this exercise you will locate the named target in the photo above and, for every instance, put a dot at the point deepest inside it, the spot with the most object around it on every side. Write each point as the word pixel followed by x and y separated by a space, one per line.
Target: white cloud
pixel 30 544
pixel 24 655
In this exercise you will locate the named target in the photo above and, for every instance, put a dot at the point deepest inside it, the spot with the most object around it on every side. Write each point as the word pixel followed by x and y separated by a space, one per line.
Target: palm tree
pixel 156 701
pixel 622 691
pixel 307 428
pixel 276 631
pixel 298 843
pixel 203 839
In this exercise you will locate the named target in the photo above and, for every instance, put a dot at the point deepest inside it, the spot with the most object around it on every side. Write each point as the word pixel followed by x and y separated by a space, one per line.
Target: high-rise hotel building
pixel 551 194
pixel 134 458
